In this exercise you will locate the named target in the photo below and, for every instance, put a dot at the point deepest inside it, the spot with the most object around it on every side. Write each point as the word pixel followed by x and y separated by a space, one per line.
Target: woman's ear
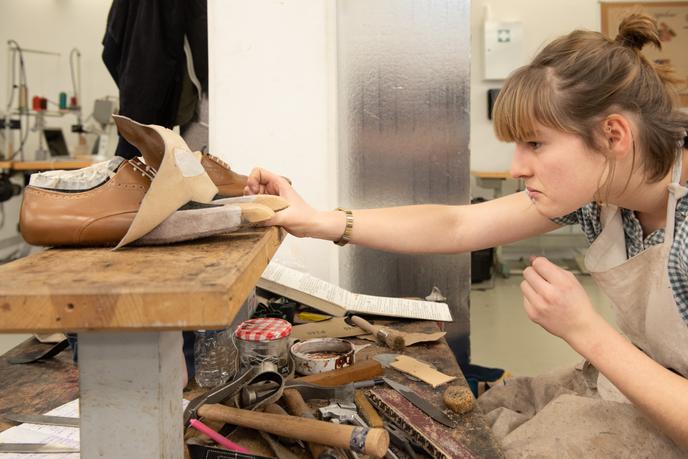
pixel 617 135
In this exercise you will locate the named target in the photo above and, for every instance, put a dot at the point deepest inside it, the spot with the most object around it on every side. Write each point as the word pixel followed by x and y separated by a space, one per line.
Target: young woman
pixel 599 142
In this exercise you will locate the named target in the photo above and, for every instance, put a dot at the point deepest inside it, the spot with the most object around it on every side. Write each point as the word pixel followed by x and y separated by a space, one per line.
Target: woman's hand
pixel 554 299
pixel 299 218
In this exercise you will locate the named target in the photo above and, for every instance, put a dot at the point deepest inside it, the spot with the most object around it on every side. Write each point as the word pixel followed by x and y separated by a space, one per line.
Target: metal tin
pixel 322 354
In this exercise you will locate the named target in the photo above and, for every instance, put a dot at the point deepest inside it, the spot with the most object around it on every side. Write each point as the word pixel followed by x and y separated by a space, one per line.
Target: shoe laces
pixel 145 169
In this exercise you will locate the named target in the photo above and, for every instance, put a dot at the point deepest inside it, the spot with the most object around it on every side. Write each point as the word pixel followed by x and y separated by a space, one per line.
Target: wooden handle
pixel 365 325
pixel 385 335
pixel 298 407
pixel 359 371
pixel 335 435
pixel 367 411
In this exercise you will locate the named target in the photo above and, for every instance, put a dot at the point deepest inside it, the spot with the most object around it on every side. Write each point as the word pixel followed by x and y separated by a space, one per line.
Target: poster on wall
pixel 672 18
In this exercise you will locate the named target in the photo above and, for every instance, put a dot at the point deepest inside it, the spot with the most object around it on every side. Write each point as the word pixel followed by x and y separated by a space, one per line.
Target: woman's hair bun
pixel 638 29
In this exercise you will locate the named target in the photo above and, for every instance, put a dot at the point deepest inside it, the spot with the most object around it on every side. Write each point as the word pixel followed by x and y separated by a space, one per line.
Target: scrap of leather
pixel 147 139
pixel 179 180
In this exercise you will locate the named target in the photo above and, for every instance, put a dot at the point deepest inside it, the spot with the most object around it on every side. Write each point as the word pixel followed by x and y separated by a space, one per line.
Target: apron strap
pixel 676 192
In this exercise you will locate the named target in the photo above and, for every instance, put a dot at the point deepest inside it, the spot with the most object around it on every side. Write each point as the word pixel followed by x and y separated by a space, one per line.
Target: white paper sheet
pixel 35 433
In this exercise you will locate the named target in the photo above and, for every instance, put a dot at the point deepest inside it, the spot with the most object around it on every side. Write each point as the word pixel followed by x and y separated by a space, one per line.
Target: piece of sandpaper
pixel 422 371
pixel 412 338
pixel 332 328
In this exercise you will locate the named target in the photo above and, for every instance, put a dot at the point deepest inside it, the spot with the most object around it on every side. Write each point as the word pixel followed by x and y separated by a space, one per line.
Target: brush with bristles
pixel 384 335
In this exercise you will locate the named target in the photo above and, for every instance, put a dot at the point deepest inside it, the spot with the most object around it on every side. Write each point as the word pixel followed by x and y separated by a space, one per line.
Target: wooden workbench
pixel 131 383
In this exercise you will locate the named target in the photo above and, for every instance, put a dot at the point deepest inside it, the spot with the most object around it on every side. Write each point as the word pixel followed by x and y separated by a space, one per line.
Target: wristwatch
pixel 348 229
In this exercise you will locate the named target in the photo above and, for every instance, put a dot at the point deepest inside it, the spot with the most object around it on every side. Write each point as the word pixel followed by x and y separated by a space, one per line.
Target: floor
pixel 502 336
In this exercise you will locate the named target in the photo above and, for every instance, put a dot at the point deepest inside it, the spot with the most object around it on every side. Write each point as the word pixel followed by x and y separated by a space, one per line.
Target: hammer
pixel 373 442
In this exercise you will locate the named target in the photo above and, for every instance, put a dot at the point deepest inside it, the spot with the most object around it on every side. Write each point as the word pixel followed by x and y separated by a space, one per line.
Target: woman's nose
pixel 520 167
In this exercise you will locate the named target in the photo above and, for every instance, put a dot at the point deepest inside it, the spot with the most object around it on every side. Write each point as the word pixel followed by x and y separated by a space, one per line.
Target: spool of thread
pixel 36 103
pixel 73 102
pixel 44 103
pixel 63 101
pixel 23 97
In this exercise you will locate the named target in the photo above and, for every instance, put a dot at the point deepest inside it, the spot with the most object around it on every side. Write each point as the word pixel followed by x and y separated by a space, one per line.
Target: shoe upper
pixel 228 182
pixel 152 147
pixel 99 216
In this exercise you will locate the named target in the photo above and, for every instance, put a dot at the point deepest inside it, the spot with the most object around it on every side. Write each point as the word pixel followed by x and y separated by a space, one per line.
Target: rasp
pixel 35 448
pixel 425 406
pixel 42 419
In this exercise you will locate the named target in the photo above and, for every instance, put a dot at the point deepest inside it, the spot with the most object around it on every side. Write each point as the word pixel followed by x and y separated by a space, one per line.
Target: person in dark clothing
pixel 144 51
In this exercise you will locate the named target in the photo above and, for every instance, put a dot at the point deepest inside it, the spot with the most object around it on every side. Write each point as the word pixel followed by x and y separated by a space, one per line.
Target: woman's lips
pixel 532 192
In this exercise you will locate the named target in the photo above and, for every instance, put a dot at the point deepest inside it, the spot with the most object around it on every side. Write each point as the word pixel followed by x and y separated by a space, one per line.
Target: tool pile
pixel 312 395
pixel 337 408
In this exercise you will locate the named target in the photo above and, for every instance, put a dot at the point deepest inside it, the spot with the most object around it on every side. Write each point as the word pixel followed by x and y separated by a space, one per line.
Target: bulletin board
pixel 672 18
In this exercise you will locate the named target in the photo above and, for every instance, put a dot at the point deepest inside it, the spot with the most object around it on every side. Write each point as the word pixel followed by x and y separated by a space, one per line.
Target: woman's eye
pixel 534 145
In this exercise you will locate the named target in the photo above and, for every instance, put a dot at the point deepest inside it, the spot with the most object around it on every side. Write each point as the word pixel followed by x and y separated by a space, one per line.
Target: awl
pixel 422 404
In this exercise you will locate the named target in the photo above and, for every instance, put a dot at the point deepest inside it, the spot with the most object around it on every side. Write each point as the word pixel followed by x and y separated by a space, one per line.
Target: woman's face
pixel 560 172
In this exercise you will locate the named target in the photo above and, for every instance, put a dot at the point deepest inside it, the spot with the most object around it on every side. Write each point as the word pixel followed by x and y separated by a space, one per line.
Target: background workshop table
pixel 128 307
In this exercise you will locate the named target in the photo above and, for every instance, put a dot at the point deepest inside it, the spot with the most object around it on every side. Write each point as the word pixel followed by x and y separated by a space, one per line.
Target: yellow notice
pixel 421 371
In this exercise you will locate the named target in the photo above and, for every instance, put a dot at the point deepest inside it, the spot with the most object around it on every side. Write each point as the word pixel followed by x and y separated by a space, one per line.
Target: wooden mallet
pixel 373 442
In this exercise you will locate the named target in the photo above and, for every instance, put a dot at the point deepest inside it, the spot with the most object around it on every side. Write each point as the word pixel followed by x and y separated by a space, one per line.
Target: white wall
pixel 542 22
pixel 273 102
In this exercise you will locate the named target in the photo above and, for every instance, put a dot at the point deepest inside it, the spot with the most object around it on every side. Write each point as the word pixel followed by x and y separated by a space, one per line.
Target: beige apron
pixel 578 412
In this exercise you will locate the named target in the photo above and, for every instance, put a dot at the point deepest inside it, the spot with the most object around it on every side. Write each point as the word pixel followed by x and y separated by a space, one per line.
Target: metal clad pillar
pixel 403 109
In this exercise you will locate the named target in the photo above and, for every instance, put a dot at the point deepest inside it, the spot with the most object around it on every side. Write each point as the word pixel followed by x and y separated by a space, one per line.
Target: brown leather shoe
pixel 148 141
pixel 99 216
pixel 102 215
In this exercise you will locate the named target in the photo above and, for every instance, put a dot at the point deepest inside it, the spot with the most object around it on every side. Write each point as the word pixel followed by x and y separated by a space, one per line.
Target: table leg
pixel 131 394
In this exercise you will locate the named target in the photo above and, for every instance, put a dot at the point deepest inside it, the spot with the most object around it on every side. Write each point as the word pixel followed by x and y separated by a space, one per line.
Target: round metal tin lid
pixel 263 329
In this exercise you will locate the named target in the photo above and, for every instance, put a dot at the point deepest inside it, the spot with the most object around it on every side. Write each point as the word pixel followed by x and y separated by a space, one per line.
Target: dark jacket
pixel 143 49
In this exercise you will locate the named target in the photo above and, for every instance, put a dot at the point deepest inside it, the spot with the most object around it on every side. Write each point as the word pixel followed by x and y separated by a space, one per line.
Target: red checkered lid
pixel 263 329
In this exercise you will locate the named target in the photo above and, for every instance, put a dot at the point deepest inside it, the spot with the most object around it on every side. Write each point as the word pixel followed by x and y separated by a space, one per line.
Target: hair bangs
pixel 526 101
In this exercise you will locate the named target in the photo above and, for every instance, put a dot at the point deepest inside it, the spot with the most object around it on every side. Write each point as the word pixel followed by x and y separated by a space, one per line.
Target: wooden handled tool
pixel 374 443
pixel 367 411
pixel 390 338
pixel 359 371
pixel 298 407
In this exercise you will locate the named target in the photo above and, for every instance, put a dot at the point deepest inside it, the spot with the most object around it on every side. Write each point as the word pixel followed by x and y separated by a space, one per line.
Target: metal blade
pixel 35 448
pixel 420 403
pixel 42 419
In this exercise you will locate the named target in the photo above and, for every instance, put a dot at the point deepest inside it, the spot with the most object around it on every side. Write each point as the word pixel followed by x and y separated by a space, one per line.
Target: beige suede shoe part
pixel 147 139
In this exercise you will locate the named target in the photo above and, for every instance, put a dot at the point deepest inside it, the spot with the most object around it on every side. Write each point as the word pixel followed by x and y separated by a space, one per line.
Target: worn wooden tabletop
pixel 194 285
